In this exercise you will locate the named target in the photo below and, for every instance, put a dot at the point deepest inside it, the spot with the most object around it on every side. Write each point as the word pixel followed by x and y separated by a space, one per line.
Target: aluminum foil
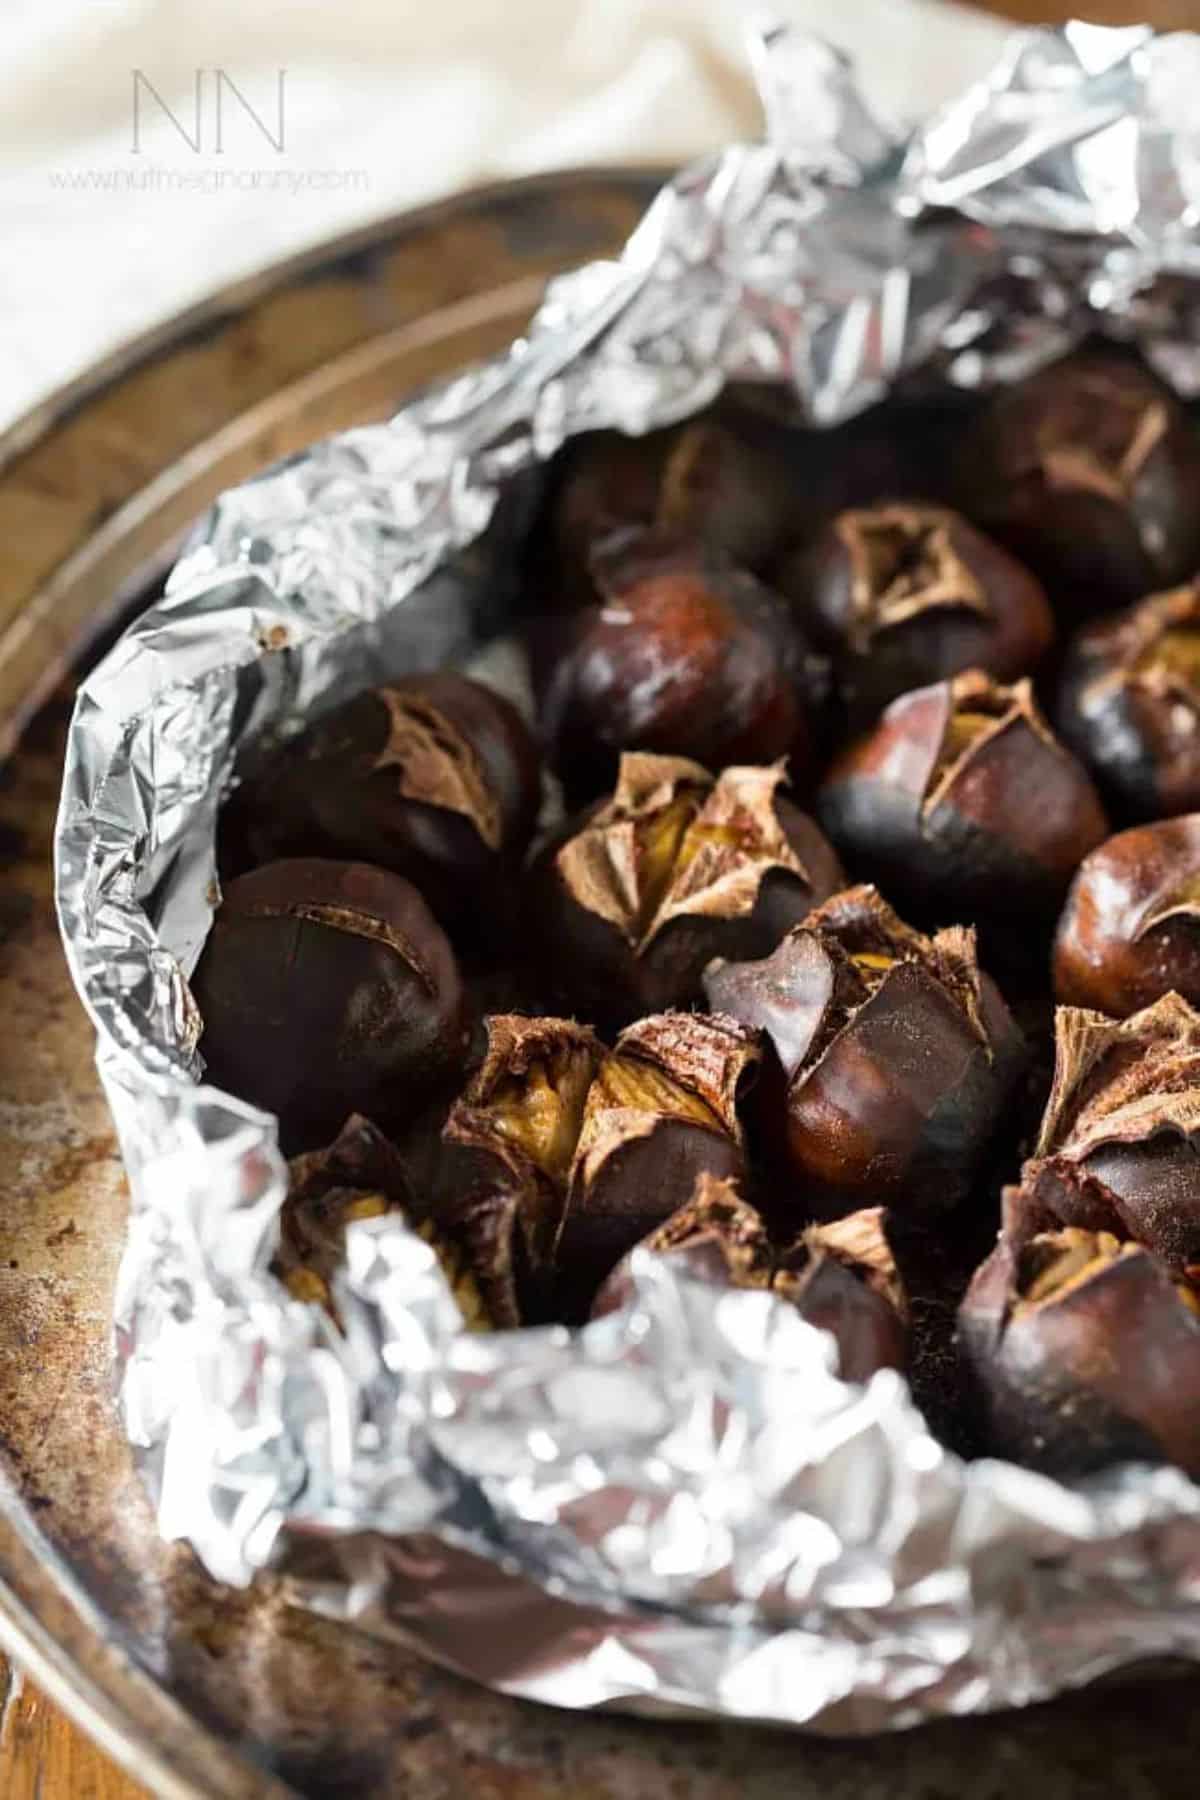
pixel 682 1506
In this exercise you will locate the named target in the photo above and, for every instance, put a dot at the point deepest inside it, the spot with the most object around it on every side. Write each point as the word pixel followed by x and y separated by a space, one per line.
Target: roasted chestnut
pixel 631 901
pixel 1130 704
pixel 326 988
pixel 841 1278
pixel 360 1175
pixel 1084 1348
pixel 662 1109
pixel 1088 471
pixel 434 777
pixel 687 656
pixel 511 1142
pixel 1119 1147
pixel 704 479
pixel 716 1236
pixel 1130 930
pixel 961 803
pixel 903 594
pixel 894 1055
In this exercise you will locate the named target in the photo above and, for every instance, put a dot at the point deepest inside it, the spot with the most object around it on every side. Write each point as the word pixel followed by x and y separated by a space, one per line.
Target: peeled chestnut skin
pixel 903 594
pixel 1129 704
pixel 432 776
pixel 1130 930
pixel 962 804
pixel 1099 1365
pixel 687 656
pixel 636 895
pixel 1088 471
pixel 327 988
pixel 894 1056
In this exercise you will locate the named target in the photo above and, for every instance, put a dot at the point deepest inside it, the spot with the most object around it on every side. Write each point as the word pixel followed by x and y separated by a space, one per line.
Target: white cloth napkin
pixel 118 206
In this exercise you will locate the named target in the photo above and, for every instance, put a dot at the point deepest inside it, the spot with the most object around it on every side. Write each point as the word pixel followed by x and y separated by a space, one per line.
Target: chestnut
pixel 716 1236
pixel 511 1142
pixel 903 594
pixel 327 988
pixel 894 1056
pixel 841 1278
pixel 433 776
pixel 1130 930
pixel 1119 1146
pixel 1083 1347
pixel 687 655
pixel 634 898
pixel 360 1175
pixel 1129 704
pixel 961 801
pixel 662 1109
pixel 705 479
pixel 1088 471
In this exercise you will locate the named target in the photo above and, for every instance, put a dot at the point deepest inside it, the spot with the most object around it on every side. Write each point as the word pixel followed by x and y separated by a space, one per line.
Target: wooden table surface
pixel 42 1755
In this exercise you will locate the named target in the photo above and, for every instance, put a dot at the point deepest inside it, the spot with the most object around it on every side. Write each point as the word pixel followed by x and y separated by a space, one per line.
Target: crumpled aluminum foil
pixel 681 1507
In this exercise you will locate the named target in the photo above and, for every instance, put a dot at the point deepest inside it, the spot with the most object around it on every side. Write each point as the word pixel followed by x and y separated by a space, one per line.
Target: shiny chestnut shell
pixel 1119 1144
pixel 687 656
pixel 961 803
pixel 841 1278
pixel 1104 1367
pixel 509 1142
pixel 1089 472
pixel 1130 929
pixel 662 1110
pixel 705 479
pixel 328 988
pixel 903 594
pixel 359 1176
pixel 432 776
pixel 639 893
pixel 894 1056
pixel 1129 704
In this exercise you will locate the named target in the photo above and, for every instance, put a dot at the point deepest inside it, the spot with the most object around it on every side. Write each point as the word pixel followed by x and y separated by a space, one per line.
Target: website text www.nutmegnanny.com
pixel 152 178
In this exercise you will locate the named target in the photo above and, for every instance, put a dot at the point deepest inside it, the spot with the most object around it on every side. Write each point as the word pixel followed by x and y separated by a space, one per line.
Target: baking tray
pixel 199 1691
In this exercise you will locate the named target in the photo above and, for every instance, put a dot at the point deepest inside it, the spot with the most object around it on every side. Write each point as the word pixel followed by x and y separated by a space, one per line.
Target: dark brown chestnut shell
pixel 1083 1348
pixel 707 480
pixel 841 1277
pixel 1119 1146
pixel 662 1110
pixel 510 1143
pixel 1129 704
pixel 1130 930
pixel 634 898
pixel 961 803
pixel 328 988
pixel 903 594
pixel 687 655
pixel 1088 471
pixel 360 1175
pixel 894 1056
pixel 434 777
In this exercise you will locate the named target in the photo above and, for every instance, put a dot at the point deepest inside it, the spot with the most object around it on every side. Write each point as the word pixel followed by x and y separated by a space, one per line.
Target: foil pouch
pixel 680 1508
